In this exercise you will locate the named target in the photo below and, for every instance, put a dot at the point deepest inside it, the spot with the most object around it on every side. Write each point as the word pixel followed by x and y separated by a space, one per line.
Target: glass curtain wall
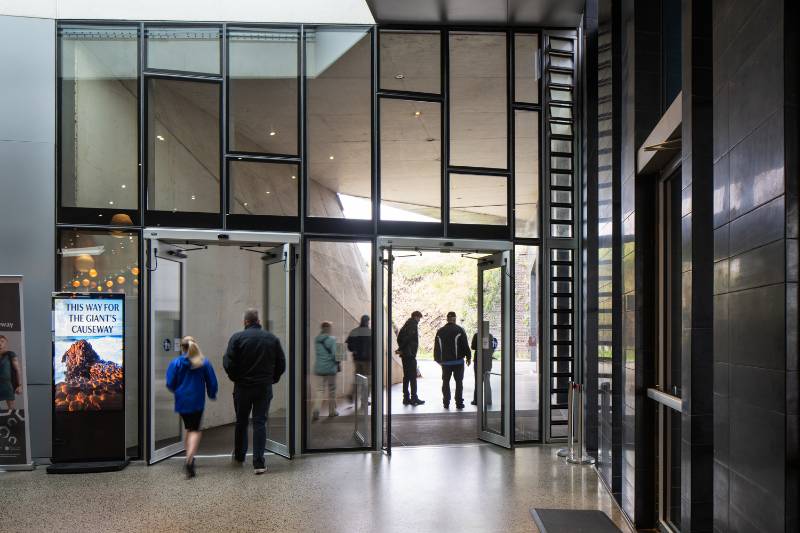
pixel 339 307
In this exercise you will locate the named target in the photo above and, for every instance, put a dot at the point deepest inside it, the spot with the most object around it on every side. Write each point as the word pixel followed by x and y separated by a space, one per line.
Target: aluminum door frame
pixel 154 254
pixel 284 254
pixel 501 260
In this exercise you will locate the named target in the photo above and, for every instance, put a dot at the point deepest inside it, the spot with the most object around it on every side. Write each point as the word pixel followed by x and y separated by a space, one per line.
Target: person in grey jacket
pixel 450 350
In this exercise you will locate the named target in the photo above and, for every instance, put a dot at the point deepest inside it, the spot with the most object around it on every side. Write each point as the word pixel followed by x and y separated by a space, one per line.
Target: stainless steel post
pixel 580 458
pixel 566 452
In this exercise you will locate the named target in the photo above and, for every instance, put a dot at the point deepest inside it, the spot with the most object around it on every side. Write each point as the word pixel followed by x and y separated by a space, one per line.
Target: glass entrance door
pixel 279 263
pixel 166 284
pixel 492 345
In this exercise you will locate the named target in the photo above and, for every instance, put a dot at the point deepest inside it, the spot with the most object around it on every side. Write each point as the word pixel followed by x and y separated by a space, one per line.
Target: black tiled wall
pixel 755 264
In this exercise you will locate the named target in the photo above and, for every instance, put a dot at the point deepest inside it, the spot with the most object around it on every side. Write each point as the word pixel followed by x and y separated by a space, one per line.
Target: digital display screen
pixel 88 353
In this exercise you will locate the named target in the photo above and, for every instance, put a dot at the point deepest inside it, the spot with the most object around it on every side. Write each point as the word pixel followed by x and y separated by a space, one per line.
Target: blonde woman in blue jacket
pixel 325 367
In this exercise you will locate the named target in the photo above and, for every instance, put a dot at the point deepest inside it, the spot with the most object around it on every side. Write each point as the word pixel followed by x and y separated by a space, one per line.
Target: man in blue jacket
pixel 254 361
pixel 449 350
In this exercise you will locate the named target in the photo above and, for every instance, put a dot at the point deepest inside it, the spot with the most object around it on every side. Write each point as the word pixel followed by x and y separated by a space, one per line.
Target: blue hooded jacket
pixel 190 384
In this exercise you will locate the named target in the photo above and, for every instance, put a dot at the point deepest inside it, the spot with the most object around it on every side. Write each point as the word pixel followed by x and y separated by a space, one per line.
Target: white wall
pixel 311 11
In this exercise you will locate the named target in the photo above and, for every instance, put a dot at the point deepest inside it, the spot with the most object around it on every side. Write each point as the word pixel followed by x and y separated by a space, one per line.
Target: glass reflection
pixel 526 68
pixel 526 343
pixel 478 199
pixel 262 89
pixel 339 115
pixel 526 174
pixel 411 168
pixel 184 49
pixel 99 118
pixel 410 61
pixel 339 299
pixel 260 188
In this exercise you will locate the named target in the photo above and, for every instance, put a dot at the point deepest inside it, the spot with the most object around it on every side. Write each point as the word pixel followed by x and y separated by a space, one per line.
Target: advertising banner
pixel 88 377
pixel 15 450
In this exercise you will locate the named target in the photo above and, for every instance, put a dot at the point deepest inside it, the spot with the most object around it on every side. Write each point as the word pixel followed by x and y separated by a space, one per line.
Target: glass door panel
pixel 166 308
pixel 278 267
pixel 495 362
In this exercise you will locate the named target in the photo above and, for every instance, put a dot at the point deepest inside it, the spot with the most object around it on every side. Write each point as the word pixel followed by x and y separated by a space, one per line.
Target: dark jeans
pixel 255 398
pixel 409 377
pixel 457 371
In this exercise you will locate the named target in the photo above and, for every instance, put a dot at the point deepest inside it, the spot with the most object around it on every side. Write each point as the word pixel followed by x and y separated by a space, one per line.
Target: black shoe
pixel 407 401
pixel 235 460
pixel 446 405
pixel 459 406
pixel 473 402
pixel 417 401
pixel 190 471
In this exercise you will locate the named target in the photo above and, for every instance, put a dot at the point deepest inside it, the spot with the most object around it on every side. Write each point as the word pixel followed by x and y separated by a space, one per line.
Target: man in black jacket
pixel 449 350
pixel 254 361
pixel 407 346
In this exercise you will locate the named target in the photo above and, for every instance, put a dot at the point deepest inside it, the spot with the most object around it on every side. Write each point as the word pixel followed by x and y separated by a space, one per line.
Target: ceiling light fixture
pixel 160 137
pixel 111 202
pixel 417 114
pixel 272 134
pixel 294 177
pixel 194 197
pixel 330 157
pixel 267 192
pixel 399 76
pixel 124 186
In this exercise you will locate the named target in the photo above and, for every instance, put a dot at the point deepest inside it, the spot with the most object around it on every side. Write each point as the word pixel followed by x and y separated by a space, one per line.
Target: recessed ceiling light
pixel 417 113
pixel 124 186
pixel 294 177
pixel 430 139
pixel 399 76
pixel 160 137
pixel 194 197
pixel 245 204
pixel 267 192
pixel 111 202
pixel 330 157
pixel 272 134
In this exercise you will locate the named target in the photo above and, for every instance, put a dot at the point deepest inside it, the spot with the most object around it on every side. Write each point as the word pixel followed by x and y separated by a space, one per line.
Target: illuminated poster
pixel 88 352
pixel 14 441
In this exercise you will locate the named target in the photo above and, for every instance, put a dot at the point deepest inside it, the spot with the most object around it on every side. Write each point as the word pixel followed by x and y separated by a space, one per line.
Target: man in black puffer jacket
pixel 449 350
pixel 254 361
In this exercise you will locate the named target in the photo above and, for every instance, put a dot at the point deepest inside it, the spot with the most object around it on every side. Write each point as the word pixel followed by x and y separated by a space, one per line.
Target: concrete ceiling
pixel 560 13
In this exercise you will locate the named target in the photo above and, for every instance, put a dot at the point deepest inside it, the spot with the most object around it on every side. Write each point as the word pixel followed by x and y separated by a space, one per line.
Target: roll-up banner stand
pixel 15 442
pixel 88 383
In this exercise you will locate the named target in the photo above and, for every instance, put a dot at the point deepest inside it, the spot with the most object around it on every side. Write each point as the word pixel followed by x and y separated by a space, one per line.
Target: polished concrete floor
pixel 475 488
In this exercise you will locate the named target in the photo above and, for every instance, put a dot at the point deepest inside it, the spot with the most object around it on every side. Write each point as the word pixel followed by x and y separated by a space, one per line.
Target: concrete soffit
pixel 267 11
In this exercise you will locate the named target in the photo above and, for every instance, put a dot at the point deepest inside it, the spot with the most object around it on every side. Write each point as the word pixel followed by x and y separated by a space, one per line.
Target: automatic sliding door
pixel 278 270
pixel 166 284
pixel 494 355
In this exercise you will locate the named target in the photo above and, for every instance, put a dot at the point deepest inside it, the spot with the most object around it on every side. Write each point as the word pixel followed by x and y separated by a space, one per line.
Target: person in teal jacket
pixel 325 367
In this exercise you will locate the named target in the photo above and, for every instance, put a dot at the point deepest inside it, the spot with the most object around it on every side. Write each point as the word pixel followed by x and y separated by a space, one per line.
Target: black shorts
pixel 191 421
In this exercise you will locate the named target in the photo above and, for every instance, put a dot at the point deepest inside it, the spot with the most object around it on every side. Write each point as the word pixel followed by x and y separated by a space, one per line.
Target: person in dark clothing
pixel 449 350
pixel 360 343
pixel 10 374
pixel 407 346
pixel 254 361
pixel 488 353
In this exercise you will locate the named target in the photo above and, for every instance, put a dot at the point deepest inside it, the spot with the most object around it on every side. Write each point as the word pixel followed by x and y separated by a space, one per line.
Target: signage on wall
pixel 15 450
pixel 88 381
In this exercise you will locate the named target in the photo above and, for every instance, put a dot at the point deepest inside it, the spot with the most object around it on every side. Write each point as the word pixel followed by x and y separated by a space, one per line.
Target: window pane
pixel 411 61
pixel 263 188
pixel 262 91
pixel 184 49
pixel 526 174
pixel 478 124
pixel 183 146
pixel 108 261
pixel 338 66
pixel 99 118
pixel 411 160
pixel 526 68
pixel 526 342
pixel 478 199
pixel 338 293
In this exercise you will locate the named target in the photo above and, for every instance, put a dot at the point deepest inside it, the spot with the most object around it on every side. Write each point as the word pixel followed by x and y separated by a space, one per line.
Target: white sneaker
pixel 259 471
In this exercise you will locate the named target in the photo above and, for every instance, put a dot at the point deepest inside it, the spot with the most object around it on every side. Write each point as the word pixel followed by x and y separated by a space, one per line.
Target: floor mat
pixel 573 521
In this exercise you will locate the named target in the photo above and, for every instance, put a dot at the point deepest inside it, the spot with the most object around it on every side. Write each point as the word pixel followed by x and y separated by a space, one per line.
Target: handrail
pixel 673 402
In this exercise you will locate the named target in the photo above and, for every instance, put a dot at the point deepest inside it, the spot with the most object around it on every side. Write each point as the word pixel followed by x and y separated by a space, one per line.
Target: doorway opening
pixel 499 319
pixel 201 287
